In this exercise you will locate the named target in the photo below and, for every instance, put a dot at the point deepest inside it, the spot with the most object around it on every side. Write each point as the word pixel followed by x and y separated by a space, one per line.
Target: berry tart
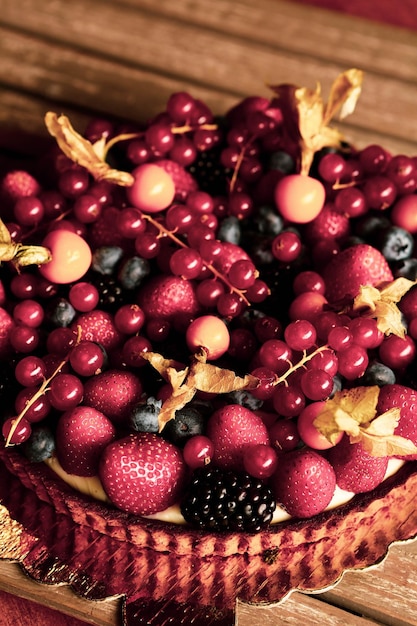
pixel 208 334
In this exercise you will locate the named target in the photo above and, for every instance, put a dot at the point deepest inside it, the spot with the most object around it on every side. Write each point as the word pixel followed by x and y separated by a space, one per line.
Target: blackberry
pixel 220 500
pixel 210 175
pixel 111 294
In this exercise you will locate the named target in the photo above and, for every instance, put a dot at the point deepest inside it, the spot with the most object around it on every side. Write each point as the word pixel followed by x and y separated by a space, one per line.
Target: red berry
pixel 82 435
pixel 142 473
pixel 233 429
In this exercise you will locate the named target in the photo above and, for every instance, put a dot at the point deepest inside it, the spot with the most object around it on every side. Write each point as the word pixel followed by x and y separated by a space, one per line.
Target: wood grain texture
pixel 219 50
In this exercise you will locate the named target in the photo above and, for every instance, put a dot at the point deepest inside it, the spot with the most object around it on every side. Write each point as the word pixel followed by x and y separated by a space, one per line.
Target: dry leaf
pixel 306 115
pixel 19 254
pixel 381 304
pixel 353 411
pixel 81 151
pixel 199 376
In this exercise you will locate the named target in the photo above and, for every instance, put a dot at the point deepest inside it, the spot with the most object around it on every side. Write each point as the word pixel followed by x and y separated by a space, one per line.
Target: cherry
pixel 36 409
pixel 260 460
pixel 397 352
pixel 284 435
pixel 84 296
pixel 198 451
pixel 30 371
pixel 311 436
pixel 28 312
pixel 299 198
pixel 210 333
pixel 300 335
pixel 71 257
pixel 286 247
pixel 153 189
pixel 65 392
pixel 86 358
pixel 21 430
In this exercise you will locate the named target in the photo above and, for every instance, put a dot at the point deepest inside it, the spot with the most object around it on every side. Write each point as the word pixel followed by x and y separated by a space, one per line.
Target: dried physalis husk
pixel 199 376
pixel 381 304
pixel 81 151
pixel 19 254
pixel 306 114
pixel 354 412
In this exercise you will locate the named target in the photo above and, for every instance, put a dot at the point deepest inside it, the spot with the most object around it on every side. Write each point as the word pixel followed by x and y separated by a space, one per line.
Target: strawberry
pixel 114 393
pixel 405 399
pixel 166 296
pixel 329 224
pixel 232 429
pixel 6 323
pixel 356 470
pixel 81 436
pixel 142 473
pixel 103 231
pixel 18 184
pixel 98 326
pixel 357 265
pixel 183 181
pixel 304 482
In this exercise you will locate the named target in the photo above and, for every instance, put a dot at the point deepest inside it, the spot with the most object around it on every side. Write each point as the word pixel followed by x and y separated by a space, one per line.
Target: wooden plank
pixel 91 62
pixel 300 609
pixel 387 592
pixel 59 598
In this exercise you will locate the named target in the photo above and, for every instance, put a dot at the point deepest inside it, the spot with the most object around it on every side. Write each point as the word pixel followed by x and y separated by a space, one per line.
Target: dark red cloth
pixel 14 610
pixel 403 13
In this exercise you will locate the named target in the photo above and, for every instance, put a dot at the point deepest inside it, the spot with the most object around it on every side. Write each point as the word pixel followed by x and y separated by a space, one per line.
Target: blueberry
pixel 61 313
pixel 229 230
pixel 133 271
pixel 144 417
pixel 106 258
pixel 370 225
pixel 244 398
pixel 407 268
pixel 395 243
pixel 282 161
pixel 187 423
pixel 378 374
pixel 40 445
pixel 267 221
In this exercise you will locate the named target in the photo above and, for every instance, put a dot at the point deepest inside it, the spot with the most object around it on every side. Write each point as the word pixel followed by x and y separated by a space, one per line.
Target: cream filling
pixel 92 487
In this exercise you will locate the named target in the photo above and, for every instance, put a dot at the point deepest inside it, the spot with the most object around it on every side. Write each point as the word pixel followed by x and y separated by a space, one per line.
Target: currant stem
pixel 42 389
pixel 301 363
pixel 179 242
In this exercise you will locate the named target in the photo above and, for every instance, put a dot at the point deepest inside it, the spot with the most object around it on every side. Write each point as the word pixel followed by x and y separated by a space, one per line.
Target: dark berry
pixel 209 173
pixel 267 221
pixel 219 500
pixel 395 243
pixel 187 422
pixel 144 418
pixel 245 398
pixel 40 445
pixel 60 313
pixel 377 374
pixel 133 271
pixel 229 230
pixel 282 161
pixel 105 259
pixel 111 294
pixel 406 268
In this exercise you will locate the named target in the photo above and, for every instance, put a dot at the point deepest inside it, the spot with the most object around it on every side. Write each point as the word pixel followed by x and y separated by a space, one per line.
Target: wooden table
pixel 124 59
